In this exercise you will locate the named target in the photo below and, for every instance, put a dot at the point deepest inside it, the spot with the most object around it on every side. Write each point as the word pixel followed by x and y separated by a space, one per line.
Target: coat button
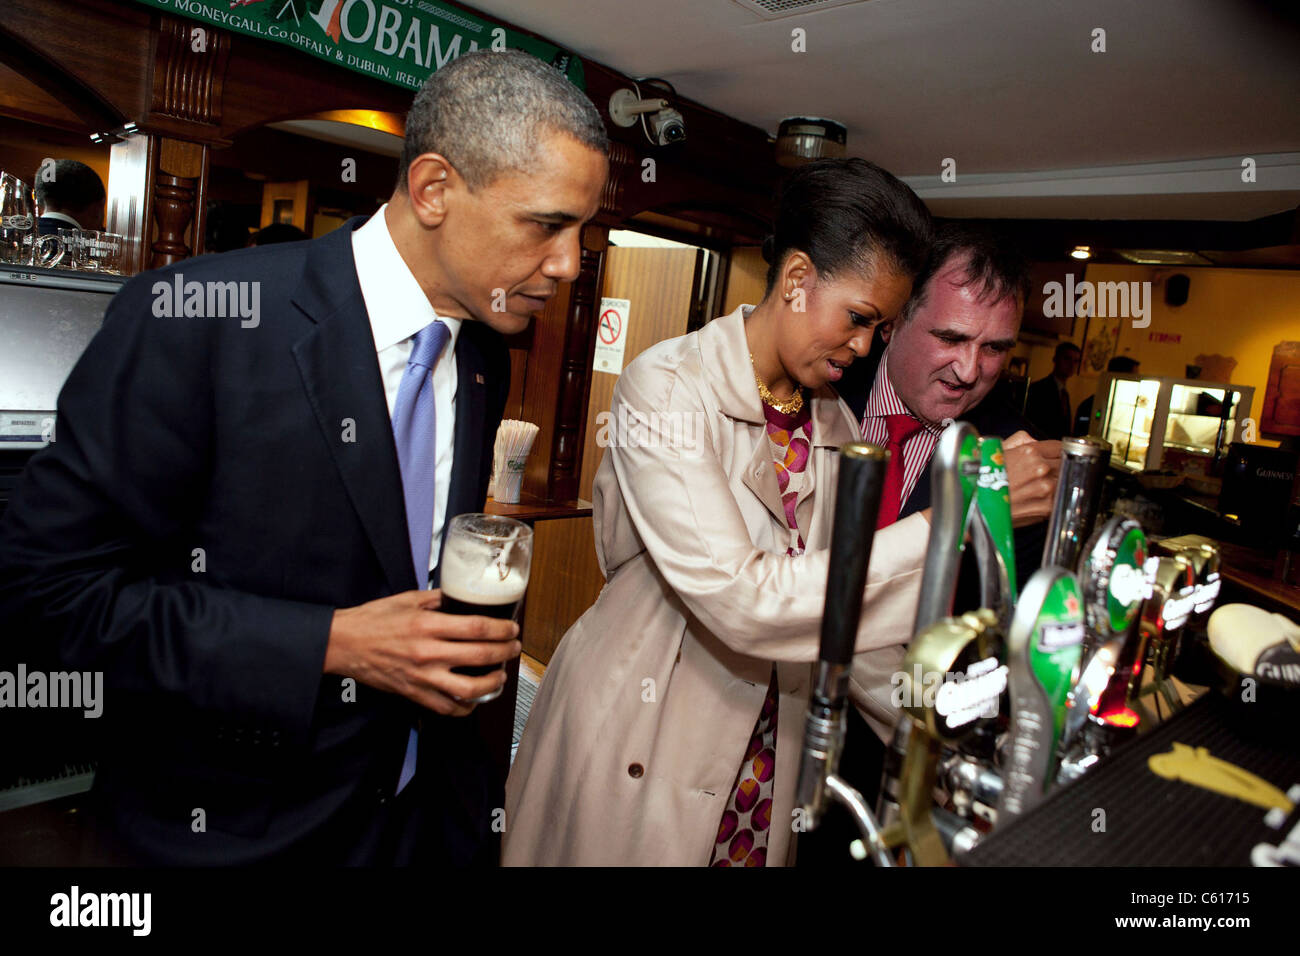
pixel 635 770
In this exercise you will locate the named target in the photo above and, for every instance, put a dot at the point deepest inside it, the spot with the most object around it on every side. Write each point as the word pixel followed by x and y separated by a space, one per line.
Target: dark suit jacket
pixel 271 449
pixel 990 417
pixel 48 224
pixel 1043 407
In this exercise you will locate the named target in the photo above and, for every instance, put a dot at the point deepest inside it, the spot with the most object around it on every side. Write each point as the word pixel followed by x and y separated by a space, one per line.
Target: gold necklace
pixel 790 406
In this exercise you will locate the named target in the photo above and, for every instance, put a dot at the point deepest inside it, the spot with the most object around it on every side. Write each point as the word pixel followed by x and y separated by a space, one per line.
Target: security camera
pixel 626 108
pixel 667 126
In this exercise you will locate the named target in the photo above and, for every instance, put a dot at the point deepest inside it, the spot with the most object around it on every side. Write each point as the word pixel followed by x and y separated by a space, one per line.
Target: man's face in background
pixel 949 354
pixel 1066 364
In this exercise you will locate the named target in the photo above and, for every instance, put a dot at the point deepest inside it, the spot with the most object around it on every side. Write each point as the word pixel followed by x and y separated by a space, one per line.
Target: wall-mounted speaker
pixel 1176 287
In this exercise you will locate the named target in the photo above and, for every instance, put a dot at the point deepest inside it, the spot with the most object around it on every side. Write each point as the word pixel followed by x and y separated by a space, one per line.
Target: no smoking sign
pixel 611 326
pixel 611 335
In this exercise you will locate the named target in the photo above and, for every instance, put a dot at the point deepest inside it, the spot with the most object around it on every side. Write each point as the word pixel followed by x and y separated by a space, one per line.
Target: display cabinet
pixel 1181 425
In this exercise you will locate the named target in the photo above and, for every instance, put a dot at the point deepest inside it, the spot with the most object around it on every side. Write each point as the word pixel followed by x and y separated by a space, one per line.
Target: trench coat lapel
pixel 833 426
pixel 726 353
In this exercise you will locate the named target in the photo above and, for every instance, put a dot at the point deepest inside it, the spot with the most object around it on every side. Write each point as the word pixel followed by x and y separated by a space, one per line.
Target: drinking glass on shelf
pixel 43 251
pixel 111 254
pixel 485 566
pixel 75 246
pixel 17 220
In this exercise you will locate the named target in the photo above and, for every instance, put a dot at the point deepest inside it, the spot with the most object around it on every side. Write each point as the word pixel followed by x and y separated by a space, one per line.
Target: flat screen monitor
pixel 47 317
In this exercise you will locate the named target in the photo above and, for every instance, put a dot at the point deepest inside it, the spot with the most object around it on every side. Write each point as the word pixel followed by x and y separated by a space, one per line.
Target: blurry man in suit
pixel 939 363
pixel 69 195
pixel 242 512
pixel 276 232
pixel 1047 403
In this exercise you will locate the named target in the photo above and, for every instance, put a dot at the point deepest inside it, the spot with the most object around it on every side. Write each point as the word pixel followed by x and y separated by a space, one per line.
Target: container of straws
pixel 514 441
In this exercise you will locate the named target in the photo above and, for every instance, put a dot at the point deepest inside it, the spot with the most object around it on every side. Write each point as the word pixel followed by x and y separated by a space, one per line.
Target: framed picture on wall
pixel 1100 339
pixel 1282 394
pixel 285 203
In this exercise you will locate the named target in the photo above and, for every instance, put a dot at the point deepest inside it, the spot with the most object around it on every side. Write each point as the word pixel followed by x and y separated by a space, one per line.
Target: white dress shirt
pixel 398 308
pixel 61 216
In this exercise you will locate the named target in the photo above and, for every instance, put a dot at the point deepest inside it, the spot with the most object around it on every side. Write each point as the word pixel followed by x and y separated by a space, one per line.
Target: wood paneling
pixel 746 279
pixel 658 284
pixel 565 582
pixel 542 387
pixel 518 374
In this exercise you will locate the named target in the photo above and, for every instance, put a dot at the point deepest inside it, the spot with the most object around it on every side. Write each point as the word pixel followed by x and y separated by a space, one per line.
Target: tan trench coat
pixel 640 724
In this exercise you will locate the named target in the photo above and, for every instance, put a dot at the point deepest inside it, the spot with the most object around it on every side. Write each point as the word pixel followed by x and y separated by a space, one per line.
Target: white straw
pixel 514 440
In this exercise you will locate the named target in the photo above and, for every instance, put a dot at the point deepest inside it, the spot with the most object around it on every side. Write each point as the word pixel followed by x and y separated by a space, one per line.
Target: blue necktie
pixel 415 432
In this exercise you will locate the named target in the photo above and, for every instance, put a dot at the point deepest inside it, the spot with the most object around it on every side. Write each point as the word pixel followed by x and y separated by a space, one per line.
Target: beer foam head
pixel 470 574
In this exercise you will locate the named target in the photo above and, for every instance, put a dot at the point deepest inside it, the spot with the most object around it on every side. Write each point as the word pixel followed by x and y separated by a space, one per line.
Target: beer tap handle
pixel 938 716
pixel 1078 496
pixel 1043 648
pixel 954 469
pixel 1172 599
pixel 991 531
pixel 857 503
pixel 1112 578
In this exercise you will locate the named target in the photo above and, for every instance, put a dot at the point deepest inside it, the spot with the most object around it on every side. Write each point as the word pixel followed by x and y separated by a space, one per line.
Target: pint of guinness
pixel 485 565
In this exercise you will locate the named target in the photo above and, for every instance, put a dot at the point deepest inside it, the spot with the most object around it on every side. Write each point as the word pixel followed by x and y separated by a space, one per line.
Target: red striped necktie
pixel 901 428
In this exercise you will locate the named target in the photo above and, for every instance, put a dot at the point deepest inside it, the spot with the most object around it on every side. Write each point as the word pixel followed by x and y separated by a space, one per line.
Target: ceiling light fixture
pixel 1081 252
pixel 802 139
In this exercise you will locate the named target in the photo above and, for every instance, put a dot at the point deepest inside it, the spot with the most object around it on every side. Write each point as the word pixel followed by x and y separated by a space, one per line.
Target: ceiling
pixel 1039 125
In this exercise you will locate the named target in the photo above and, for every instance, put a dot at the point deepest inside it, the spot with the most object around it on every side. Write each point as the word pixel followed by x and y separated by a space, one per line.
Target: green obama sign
pixel 397 41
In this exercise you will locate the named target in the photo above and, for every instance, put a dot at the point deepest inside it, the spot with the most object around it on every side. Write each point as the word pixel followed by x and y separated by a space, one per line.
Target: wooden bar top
pixel 529 509
pixel 1252 569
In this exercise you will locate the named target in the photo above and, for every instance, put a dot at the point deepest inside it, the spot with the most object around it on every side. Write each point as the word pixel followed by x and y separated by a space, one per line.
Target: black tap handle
pixel 857 503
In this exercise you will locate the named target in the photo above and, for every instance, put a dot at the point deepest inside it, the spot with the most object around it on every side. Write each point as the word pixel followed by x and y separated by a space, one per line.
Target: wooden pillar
pixel 159 168
pixel 180 187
